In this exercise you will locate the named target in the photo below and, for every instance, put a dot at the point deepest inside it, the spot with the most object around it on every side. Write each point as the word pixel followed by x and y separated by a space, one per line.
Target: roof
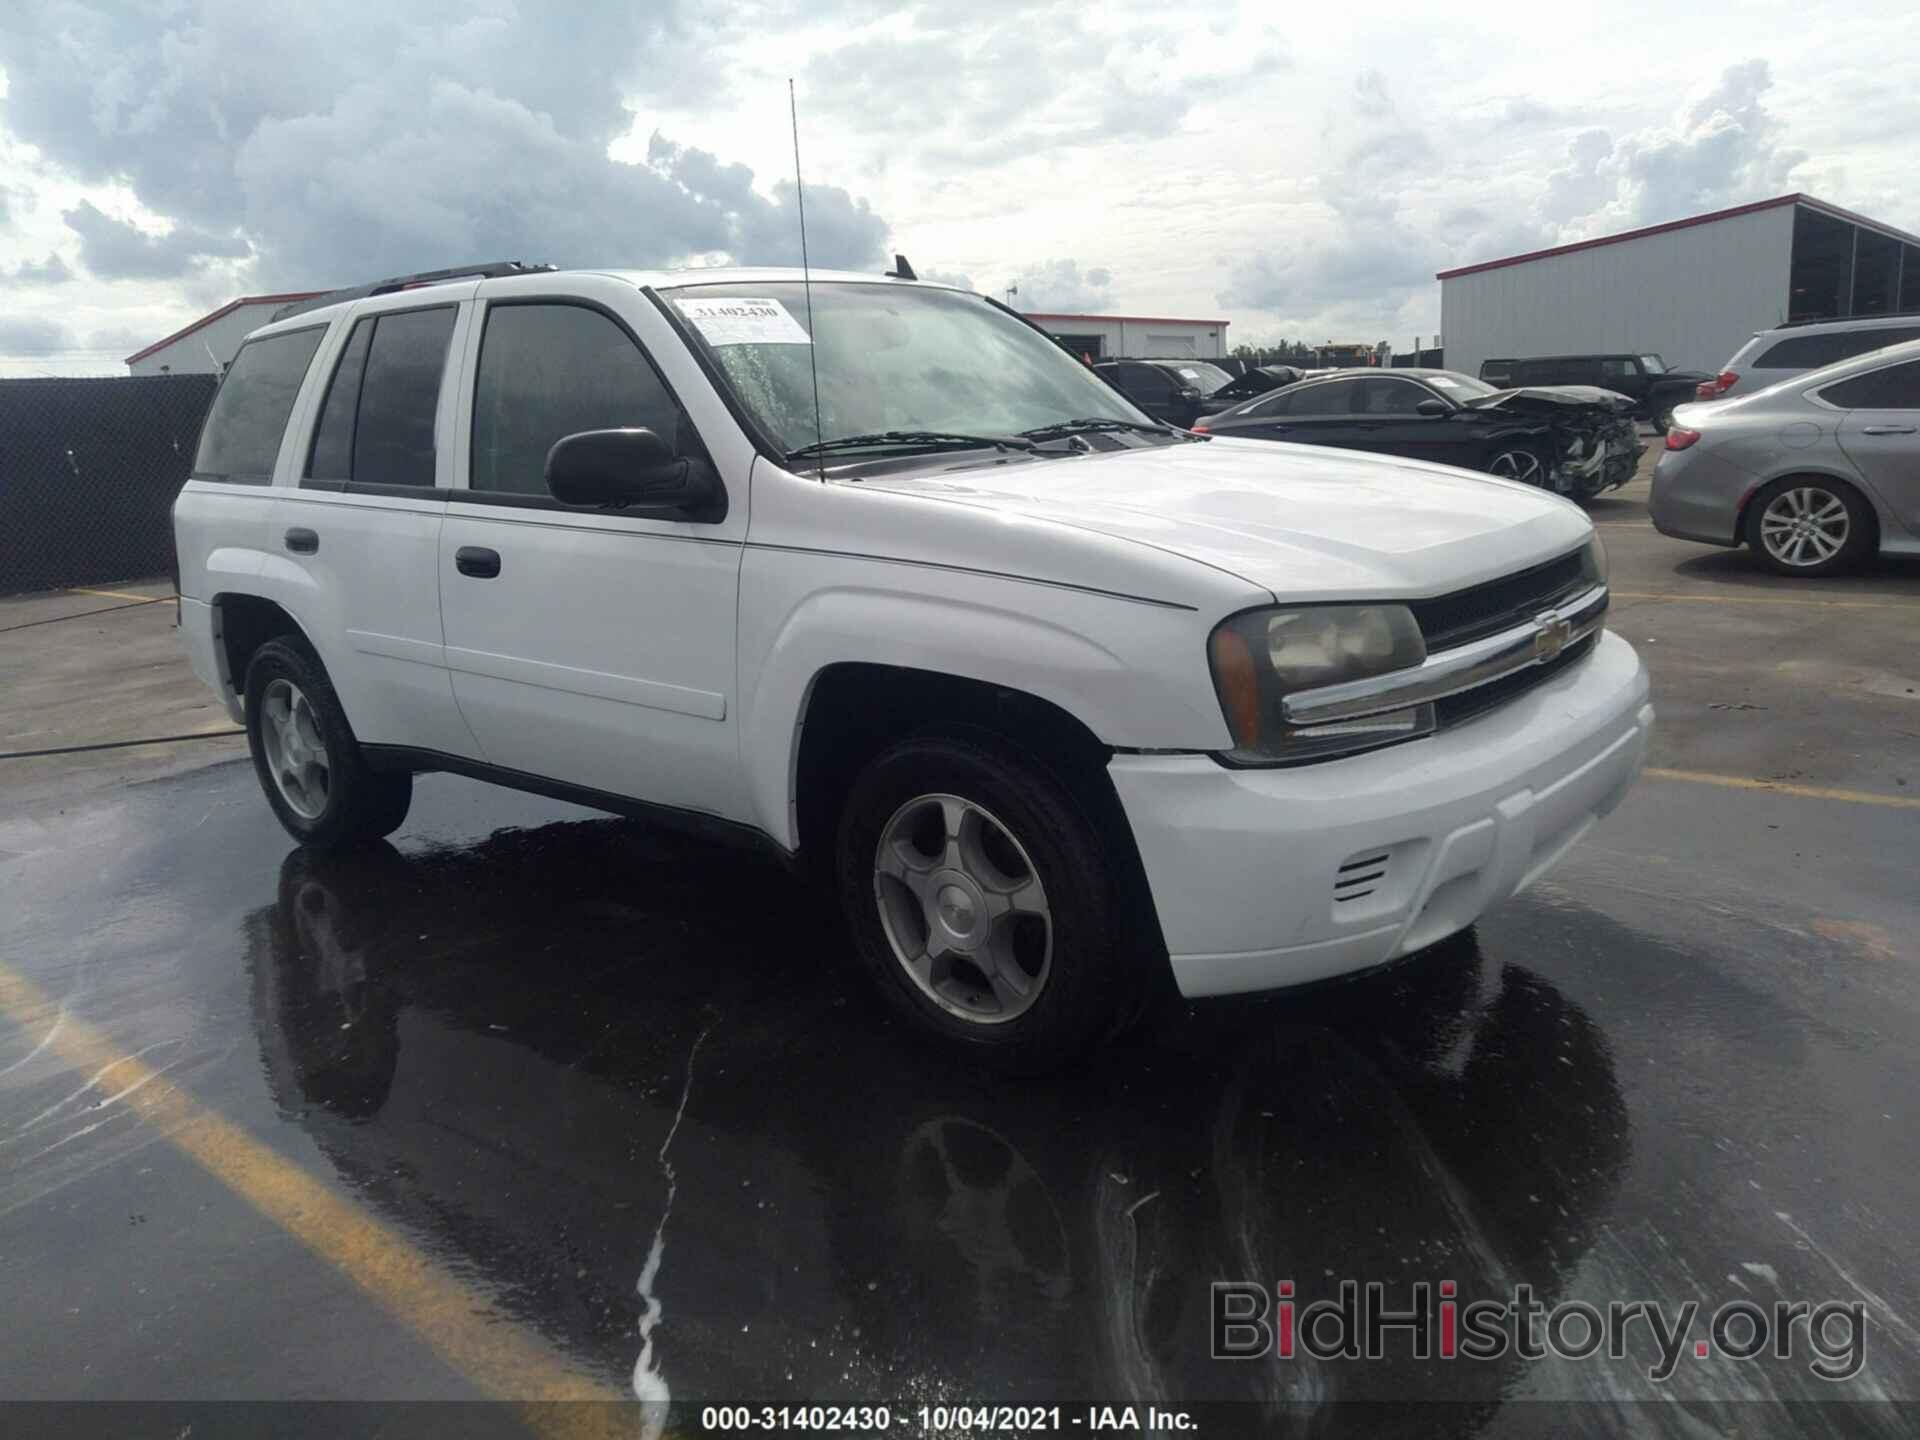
pixel 221 313
pixel 1710 218
pixel 1129 319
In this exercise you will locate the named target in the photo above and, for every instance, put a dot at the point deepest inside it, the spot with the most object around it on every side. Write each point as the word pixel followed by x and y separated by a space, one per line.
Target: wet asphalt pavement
pixel 621 1093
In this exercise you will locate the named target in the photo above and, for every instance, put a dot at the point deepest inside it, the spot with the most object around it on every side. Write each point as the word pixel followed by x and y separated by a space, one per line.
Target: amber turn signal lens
pixel 1239 685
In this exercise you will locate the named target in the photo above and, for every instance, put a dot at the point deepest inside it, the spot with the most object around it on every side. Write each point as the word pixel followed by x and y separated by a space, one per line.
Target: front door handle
pixel 302 541
pixel 477 561
pixel 1886 429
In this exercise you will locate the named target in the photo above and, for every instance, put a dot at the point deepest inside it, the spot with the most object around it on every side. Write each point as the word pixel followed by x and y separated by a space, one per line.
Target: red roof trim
pixel 224 310
pixel 1130 319
pixel 1709 218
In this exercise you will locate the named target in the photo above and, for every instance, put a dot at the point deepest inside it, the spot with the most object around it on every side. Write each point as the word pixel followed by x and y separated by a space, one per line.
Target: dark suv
pixel 1644 379
pixel 1176 391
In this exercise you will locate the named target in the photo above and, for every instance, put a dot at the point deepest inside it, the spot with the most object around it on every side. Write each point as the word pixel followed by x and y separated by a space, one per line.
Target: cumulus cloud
pixel 1033 80
pixel 1720 147
pixel 27 335
pixel 50 271
pixel 359 138
pixel 116 250
pixel 1354 242
pixel 1060 287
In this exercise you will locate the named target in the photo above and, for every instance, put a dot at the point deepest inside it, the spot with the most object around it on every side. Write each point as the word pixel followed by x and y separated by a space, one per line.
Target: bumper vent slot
pixel 1361 876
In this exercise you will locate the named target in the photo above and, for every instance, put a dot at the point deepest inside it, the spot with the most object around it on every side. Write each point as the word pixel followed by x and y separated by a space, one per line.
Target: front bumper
pixel 1269 878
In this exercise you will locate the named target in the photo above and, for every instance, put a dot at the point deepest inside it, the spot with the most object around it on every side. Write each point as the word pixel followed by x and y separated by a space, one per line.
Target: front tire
pixel 1806 525
pixel 305 753
pixel 982 901
pixel 1522 463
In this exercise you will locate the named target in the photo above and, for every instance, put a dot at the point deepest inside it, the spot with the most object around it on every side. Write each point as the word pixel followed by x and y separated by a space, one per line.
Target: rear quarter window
pixel 241 438
pixel 1810 352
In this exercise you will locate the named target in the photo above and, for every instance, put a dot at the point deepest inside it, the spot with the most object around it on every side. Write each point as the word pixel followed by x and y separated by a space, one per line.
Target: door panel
pixel 1880 433
pixel 600 651
pixel 362 521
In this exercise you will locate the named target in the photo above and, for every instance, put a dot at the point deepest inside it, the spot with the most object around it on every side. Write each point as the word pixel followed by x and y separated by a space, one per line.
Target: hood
pixel 1303 522
pixel 1554 399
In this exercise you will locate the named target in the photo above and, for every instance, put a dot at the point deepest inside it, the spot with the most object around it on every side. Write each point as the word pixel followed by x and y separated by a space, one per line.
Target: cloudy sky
pixel 1301 171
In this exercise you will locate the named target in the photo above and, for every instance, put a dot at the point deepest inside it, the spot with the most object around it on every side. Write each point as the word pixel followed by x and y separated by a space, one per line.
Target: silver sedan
pixel 1814 473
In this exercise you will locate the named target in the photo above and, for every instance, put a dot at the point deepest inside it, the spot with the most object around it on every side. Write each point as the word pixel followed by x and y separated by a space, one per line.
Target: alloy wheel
pixel 963 908
pixel 296 752
pixel 1805 526
pixel 1521 465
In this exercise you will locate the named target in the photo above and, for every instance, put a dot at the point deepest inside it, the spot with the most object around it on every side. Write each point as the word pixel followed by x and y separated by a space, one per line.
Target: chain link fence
pixel 88 472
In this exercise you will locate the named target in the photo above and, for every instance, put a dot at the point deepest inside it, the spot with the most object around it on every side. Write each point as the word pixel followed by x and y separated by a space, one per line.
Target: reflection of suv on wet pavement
pixel 1057 698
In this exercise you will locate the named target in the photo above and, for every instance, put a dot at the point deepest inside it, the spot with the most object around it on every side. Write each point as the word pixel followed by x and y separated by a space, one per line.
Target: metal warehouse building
pixel 1107 337
pixel 1691 291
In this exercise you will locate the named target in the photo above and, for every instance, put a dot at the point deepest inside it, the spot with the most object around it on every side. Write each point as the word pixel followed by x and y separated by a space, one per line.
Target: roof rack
pixel 1844 319
pixel 486 270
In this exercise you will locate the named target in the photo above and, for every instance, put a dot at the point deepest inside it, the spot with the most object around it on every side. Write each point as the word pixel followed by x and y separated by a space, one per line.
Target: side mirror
pixel 1433 409
pixel 634 470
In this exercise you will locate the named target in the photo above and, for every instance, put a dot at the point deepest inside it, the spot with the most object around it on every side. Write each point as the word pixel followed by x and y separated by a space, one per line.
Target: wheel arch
pixel 242 623
pixel 1826 474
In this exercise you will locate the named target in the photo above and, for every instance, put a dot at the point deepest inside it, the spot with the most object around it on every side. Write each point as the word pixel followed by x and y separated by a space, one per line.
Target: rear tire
pixel 982 901
pixel 304 751
pixel 1809 525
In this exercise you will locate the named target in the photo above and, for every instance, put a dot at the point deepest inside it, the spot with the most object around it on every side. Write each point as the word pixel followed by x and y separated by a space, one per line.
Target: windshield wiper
pixel 912 440
pixel 1060 429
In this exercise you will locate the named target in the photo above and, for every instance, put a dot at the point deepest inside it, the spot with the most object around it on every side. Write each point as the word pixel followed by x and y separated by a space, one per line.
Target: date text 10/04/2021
pixel 941 1418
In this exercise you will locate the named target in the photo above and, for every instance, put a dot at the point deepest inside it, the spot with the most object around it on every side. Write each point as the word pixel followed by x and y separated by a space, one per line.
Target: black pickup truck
pixel 1644 379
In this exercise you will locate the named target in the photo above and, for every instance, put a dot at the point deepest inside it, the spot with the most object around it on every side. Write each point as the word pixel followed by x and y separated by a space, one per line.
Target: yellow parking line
pixel 1768 600
pixel 463 1326
pixel 119 594
pixel 1805 792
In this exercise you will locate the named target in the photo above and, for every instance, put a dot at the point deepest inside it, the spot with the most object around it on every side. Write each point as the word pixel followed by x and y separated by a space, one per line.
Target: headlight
pixel 1597 559
pixel 1261 656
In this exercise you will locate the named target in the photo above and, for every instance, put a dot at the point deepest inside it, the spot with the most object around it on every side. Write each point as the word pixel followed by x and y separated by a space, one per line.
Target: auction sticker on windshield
pixel 744 322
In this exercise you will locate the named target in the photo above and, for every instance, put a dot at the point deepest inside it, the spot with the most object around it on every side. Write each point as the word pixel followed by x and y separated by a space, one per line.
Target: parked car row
pixel 1574 440
pixel 1813 472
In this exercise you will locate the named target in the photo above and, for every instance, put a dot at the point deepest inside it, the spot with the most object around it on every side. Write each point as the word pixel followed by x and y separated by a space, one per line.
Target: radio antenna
pixel 806 284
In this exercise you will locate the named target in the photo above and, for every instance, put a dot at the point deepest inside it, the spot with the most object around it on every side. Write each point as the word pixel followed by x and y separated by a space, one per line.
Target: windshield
pixel 891 358
pixel 1203 377
pixel 1653 364
pixel 1460 387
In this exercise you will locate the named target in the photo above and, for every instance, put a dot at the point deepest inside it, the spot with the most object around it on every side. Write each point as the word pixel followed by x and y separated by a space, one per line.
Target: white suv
pixel 1059 698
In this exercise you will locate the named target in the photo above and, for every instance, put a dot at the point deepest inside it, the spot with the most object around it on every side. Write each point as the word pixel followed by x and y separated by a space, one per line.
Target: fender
pixel 1084 677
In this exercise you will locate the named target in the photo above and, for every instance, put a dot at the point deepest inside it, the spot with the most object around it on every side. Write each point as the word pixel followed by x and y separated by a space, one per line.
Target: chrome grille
pixel 1481 610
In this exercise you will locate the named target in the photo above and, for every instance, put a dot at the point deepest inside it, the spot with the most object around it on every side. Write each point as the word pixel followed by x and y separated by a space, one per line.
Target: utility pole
pixel 1012 290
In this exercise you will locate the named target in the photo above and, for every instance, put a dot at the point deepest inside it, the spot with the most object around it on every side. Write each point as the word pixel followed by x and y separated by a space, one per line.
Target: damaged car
pixel 1575 440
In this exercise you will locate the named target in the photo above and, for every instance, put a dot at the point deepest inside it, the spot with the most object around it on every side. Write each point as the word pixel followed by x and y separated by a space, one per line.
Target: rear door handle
pixel 1886 429
pixel 302 541
pixel 477 561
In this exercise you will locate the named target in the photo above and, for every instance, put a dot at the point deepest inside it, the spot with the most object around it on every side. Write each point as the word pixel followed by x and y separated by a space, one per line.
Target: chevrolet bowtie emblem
pixel 1551 637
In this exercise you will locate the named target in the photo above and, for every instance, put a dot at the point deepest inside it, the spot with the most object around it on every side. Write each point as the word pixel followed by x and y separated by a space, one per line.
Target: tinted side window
pixel 1335 397
pixel 399 395
pixel 1392 397
pixel 1895 388
pixel 1145 382
pixel 332 455
pixel 1278 404
pixel 1617 368
pixel 242 435
pixel 547 371
pixel 1810 352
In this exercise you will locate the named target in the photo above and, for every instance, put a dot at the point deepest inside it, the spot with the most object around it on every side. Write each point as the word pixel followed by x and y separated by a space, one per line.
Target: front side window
pixel 551 370
pixel 1897 387
pixel 1393 397
pixel 241 438
pixel 1616 368
pixel 889 357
